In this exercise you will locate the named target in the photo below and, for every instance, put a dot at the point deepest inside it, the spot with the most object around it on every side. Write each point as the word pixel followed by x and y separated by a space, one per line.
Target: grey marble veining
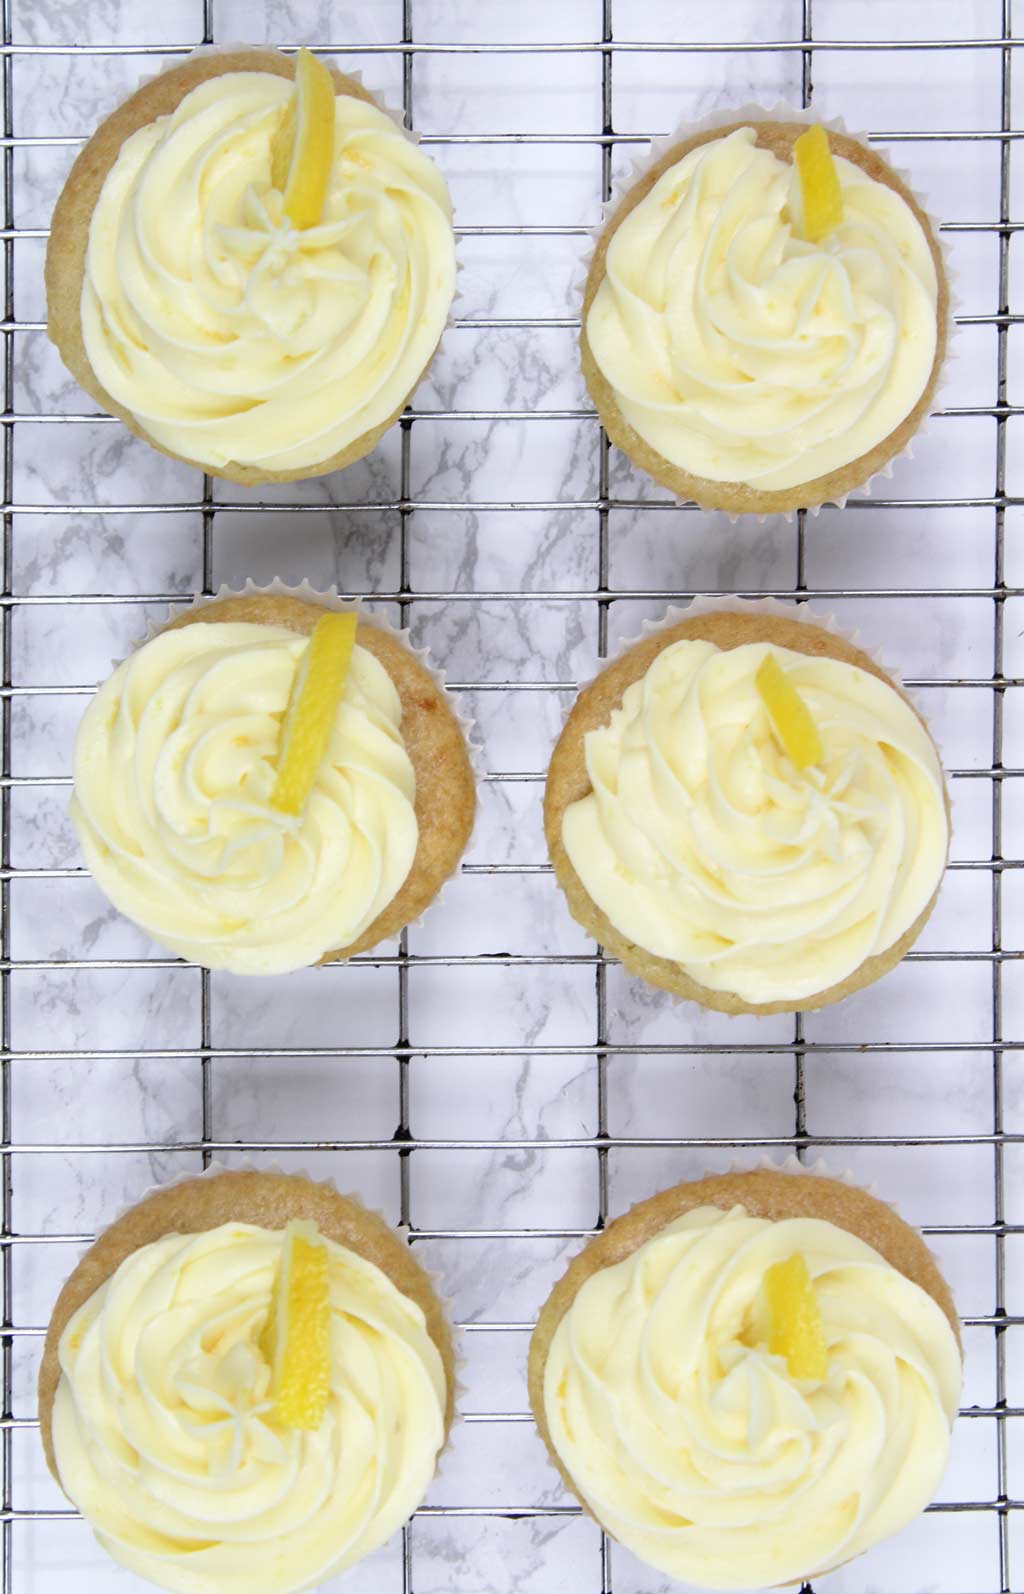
pixel 88 521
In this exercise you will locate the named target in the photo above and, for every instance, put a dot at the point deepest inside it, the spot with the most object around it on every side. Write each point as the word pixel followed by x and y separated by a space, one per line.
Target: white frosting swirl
pixel 703 844
pixel 163 1430
pixel 174 766
pixel 229 334
pixel 742 353
pixel 700 1452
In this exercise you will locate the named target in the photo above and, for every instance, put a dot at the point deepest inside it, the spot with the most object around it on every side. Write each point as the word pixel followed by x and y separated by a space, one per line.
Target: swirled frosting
pixel 703 844
pixel 173 770
pixel 229 334
pixel 742 353
pixel 163 1429
pixel 697 1449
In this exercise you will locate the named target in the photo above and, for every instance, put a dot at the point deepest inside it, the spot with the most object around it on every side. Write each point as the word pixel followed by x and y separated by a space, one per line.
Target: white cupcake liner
pixel 782 111
pixel 774 608
pixel 789 1162
pixel 329 599
pixel 399 1230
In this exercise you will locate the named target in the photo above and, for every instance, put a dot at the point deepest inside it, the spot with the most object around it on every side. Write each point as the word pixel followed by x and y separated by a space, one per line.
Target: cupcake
pixel 207 814
pixel 748 812
pixel 246 1384
pixel 742 364
pixel 749 1380
pixel 252 273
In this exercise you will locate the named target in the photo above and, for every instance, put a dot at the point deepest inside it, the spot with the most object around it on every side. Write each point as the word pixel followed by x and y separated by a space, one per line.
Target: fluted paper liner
pixel 782 111
pixel 773 608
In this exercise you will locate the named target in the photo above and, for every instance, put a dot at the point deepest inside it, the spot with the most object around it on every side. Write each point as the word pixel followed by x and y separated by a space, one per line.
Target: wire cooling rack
pixel 981 1514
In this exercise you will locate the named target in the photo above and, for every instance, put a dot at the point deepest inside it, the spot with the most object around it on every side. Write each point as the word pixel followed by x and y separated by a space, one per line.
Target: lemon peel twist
pixel 789 714
pixel 819 184
pixel 302 148
pixel 296 1339
pixel 316 692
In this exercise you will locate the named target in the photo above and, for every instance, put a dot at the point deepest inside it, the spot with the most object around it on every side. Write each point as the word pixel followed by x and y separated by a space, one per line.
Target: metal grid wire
pixel 998 1505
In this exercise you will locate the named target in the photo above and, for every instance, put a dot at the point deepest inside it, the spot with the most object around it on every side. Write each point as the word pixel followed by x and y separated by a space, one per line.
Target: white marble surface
pixel 535 627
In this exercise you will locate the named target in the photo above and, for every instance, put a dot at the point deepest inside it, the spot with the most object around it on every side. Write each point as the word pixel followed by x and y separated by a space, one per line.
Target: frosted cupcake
pixel 765 317
pixel 748 812
pixel 749 1380
pixel 266 784
pixel 246 1384
pixel 253 276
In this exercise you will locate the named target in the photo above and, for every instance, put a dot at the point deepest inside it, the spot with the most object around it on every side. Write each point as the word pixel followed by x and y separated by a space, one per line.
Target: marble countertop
pixel 504 1080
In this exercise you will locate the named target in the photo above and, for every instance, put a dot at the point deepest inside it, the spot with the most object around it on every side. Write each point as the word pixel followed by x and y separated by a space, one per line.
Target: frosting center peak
pixel 740 351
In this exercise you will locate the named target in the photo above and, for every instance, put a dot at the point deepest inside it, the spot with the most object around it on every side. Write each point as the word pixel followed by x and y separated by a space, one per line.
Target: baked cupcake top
pixel 741 352
pixel 168 1439
pixel 232 335
pixel 704 843
pixel 174 771
pixel 697 1445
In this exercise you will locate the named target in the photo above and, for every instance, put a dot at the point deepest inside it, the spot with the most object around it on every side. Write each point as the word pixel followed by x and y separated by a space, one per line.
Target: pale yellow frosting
pixel 703 844
pixel 163 1429
pixel 227 333
pixel 700 1452
pixel 173 770
pixel 740 352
